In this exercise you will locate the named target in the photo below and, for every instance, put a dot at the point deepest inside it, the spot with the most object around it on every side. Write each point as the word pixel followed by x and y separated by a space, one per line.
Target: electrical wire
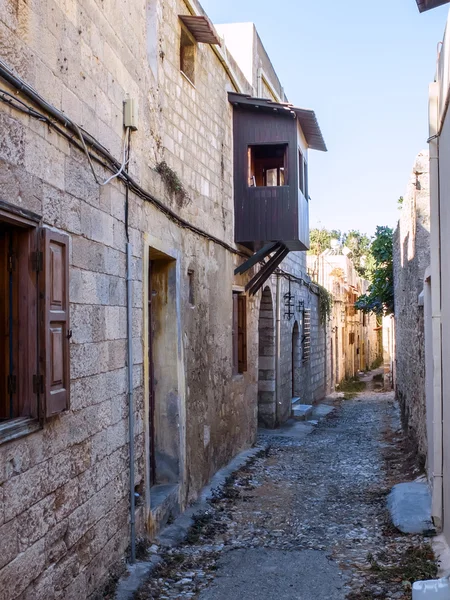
pixel 122 166
pixel 89 141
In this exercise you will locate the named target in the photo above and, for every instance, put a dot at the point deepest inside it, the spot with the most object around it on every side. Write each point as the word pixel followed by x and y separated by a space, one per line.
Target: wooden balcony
pixel 270 172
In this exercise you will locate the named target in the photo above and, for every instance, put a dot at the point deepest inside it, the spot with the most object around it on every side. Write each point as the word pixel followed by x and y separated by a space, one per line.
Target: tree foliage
pixel 358 243
pixel 380 296
pixel 320 239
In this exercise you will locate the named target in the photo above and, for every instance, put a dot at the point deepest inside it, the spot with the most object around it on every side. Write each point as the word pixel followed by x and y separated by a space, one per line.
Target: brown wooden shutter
pixel 235 333
pixel 242 333
pixel 54 311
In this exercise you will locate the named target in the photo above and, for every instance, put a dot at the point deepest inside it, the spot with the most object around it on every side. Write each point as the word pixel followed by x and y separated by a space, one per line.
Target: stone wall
pixel 411 258
pixel 64 489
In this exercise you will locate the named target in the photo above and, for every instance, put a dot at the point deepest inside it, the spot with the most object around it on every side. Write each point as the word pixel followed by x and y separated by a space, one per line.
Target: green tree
pixel 380 296
pixel 359 244
pixel 320 239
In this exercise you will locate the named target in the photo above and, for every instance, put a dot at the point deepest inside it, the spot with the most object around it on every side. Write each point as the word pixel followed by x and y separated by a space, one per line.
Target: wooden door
pixel 151 382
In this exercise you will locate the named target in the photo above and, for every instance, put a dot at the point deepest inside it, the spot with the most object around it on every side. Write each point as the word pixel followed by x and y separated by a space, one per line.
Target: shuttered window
pixel 54 284
pixel 239 333
pixel 306 337
pixel 34 321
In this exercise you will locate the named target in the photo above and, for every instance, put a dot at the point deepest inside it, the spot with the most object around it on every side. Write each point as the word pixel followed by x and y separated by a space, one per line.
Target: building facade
pixel 436 292
pixel 119 294
pixel 411 259
pixel 353 339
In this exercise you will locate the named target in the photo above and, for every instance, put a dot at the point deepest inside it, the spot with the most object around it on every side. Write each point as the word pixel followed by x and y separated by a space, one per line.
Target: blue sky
pixel 364 67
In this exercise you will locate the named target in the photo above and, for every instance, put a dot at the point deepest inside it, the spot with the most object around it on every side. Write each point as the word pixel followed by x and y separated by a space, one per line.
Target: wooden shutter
pixel 242 333
pixel 235 333
pixel 54 322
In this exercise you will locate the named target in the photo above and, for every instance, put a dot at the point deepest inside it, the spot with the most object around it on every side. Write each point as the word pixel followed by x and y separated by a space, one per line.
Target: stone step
pixel 295 400
pixel 301 412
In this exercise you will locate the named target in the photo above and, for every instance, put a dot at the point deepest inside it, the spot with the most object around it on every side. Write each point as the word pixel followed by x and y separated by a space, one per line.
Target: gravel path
pixel 306 519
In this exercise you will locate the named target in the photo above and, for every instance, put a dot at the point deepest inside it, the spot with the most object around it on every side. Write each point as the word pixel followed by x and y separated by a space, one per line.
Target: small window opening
pixel 191 287
pixel 16 311
pixel 187 56
pixel 267 165
pixel 239 333
pixel 301 172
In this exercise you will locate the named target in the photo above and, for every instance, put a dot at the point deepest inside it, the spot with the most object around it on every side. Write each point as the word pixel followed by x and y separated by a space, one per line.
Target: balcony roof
pixel 306 117
pixel 201 28
pixel 429 4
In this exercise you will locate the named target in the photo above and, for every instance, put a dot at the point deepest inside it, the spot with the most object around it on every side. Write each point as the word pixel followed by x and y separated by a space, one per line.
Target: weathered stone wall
pixel 64 506
pixel 411 258
pixel 309 378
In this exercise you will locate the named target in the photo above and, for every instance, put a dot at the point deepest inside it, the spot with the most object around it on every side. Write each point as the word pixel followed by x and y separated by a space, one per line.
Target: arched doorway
pixel 296 360
pixel 267 416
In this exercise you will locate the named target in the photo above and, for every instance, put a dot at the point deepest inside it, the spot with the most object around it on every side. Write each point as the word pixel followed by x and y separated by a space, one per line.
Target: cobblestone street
pixel 307 518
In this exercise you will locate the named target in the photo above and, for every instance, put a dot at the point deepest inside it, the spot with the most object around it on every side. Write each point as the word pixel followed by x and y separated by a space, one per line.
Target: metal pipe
pixel 435 402
pixel 131 405
pixel 278 351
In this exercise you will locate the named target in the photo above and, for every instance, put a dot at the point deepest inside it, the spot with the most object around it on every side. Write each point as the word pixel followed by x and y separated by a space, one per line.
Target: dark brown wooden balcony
pixel 271 179
pixel 270 172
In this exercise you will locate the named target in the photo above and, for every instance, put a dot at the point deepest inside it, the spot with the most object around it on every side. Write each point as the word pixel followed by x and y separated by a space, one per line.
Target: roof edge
pixel 306 116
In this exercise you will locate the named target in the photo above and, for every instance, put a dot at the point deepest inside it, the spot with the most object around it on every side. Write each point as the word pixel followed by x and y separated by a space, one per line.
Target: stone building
pixel 411 259
pixel 353 339
pixel 119 294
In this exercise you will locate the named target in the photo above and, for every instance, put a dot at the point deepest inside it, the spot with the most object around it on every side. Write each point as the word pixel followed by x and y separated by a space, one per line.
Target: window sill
pixel 187 79
pixel 11 430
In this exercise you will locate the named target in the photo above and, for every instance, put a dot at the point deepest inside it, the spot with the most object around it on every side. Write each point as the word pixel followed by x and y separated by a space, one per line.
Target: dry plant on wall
pixel 173 183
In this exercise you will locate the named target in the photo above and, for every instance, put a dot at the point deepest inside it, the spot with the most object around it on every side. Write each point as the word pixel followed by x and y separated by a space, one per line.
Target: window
pixel 191 287
pixel 302 174
pixel 187 55
pixel 34 321
pixel 267 165
pixel 351 338
pixel 239 333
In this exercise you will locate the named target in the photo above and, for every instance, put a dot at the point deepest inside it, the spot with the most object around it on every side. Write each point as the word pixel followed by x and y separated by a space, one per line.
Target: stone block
pixel 61 210
pixel 97 225
pixel 88 255
pixel 266 363
pixel 410 507
pixel 115 322
pixel 80 181
pixel 266 386
pixel 88 323
pixel 17 575
pixel 44 160
pixel 12 140
pixel 79 522
pixel 34 523
pixel 25 490
pixel 66 499
pixel 9 542
pixel 88 287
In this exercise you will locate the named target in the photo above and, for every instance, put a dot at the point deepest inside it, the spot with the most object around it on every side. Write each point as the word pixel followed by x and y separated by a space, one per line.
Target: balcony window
pixel 302 174
pixel 267 165
pixel 187 56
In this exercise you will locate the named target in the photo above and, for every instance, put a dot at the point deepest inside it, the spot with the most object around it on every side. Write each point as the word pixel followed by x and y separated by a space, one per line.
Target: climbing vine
pixel 325 304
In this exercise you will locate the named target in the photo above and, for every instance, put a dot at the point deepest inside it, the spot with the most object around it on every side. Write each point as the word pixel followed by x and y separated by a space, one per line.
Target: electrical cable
pixel 16 82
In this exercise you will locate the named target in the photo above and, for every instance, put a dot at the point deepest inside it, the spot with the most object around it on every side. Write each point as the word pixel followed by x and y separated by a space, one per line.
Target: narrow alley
pixel 307 517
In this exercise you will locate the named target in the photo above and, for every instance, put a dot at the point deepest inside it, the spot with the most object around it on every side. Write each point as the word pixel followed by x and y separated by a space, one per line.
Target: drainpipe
pixel 131 405
pixel 437 397
pixel 278 351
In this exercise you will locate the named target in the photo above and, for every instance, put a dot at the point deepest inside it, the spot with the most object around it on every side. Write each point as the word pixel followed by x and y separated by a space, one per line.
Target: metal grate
pixel 306 339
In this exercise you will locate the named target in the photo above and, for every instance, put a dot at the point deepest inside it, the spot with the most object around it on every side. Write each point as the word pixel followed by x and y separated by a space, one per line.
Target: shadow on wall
pixel 267 416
